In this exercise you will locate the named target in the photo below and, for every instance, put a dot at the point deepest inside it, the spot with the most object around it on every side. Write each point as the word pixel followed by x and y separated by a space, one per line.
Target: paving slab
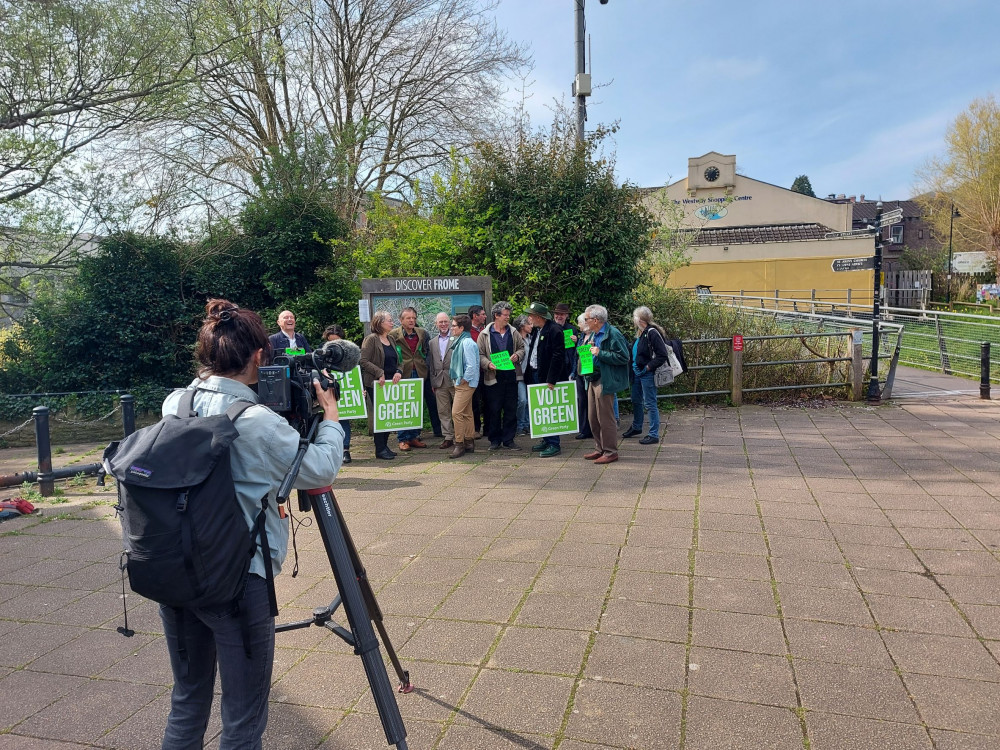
pixel 775 577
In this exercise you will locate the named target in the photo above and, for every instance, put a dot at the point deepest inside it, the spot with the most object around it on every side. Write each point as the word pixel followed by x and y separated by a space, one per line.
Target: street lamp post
pixel 874 394
pixel 951 229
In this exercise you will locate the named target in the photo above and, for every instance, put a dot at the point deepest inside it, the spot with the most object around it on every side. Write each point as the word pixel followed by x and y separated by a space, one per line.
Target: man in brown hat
pixel 546 363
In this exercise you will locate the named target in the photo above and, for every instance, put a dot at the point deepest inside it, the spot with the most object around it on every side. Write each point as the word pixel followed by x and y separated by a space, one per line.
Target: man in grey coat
pixel 439 357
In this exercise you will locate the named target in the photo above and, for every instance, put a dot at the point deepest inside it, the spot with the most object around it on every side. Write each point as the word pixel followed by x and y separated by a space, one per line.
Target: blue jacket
pixel 263 453
pixel 465 360
pixel 279 342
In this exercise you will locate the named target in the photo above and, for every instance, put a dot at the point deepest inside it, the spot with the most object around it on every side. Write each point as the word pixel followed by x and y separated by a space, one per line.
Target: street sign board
pixel 737 343
pixel 892 217
pixel 854 264
pixel 853 233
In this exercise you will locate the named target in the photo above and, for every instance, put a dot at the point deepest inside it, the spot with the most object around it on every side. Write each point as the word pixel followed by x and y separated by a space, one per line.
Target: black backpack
pixel 186 541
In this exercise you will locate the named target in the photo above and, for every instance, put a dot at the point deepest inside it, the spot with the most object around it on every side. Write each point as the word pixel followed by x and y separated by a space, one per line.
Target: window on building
pixel 896 234
pixel 920 234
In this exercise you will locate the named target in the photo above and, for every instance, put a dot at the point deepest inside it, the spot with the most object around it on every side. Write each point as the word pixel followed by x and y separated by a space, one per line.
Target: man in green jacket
pixel 610 351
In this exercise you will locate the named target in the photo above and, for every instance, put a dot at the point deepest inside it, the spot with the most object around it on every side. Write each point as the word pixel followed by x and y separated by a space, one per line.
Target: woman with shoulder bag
pixel 649 351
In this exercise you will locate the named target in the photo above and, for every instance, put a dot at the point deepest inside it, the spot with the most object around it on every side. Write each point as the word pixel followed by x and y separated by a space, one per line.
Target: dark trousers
pixel 430 401
pixel 531 378
pixel 581 406
pixel 501 408
pixel 213 637
pixel 480 418
pixel 381 438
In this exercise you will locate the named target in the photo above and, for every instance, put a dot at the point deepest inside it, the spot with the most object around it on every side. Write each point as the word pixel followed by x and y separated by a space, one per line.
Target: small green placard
pixel 294 352
pixel 399 406
pixel 502 360
pixel 568 338
pixel 552 411
pixel 352 394
pixel 586 360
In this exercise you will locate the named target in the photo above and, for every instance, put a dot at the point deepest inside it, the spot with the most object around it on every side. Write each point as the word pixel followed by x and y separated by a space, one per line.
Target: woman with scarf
pixel 465 375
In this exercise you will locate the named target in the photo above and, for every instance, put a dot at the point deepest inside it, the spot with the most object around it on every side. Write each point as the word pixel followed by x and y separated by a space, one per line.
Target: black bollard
pixel 46 485
pixel 128 413
pixel 984 370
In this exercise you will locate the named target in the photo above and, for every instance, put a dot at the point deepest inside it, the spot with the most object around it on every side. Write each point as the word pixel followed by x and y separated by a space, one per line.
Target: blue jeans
pixel 644 400
pixel 405 435
pixel 346 424
pixel 522 407
pixel 212 636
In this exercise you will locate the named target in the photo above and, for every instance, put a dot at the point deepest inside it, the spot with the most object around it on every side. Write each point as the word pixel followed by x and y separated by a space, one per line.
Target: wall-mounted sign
pixel 854 264
pixel 970 263
pixel 428 295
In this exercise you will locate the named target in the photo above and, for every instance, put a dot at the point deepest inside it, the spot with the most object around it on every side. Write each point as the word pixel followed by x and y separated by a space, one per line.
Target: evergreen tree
pixel 802 185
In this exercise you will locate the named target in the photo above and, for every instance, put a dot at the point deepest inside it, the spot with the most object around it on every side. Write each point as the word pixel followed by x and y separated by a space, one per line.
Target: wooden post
pixel 736 371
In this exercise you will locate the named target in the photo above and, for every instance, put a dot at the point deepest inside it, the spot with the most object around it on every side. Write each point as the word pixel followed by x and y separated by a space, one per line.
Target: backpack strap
pixel 237 408
pixel 185 407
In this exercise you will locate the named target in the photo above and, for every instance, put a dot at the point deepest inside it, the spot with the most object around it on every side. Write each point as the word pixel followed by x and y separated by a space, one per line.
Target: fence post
pixel 736 371
pixel 857 375
pixel 128 413
pixel 46 484
pixel 984 370
pixel 812 304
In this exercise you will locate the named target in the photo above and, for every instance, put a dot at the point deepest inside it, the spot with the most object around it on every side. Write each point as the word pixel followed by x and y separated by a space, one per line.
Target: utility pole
pixel 579 91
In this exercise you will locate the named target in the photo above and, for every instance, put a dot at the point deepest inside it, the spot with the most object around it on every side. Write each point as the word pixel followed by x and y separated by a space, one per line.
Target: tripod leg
pixel 334 534
pixel 374 611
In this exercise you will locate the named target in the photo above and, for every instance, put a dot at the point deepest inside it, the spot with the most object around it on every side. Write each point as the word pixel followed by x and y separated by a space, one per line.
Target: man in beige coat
pixel 439 357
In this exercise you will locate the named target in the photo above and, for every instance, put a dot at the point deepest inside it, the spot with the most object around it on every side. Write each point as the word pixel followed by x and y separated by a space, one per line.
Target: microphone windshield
pixel 339 355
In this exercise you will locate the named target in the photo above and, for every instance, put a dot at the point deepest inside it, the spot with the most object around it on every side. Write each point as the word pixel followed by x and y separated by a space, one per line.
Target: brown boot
pixel 446 444
pixel 470 446
pixel 458 452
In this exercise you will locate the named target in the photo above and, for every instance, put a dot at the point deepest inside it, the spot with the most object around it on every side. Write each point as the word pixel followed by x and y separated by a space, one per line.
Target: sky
pixel 856 95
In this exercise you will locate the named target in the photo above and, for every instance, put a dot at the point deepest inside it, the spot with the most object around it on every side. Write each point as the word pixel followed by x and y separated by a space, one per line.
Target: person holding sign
pixel 500 349
pixel 648 352
pixel 336 333
pixel 287 338
pixel 411 342
pixel 378 359
pixel 546 364
pixel 464 373
pixel 609 350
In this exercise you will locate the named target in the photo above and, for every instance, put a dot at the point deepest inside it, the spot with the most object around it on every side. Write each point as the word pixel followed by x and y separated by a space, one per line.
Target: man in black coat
pixel 546 363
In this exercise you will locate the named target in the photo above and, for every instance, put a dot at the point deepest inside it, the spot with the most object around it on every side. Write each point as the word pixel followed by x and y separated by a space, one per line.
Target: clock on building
pixel 712 174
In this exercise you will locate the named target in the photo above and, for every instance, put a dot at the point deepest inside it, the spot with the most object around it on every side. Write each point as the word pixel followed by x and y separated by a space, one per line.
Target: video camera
pixel 286 384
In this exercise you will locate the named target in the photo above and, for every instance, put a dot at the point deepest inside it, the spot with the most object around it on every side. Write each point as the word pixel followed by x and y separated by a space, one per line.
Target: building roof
pixel 865 210
pixel 760 234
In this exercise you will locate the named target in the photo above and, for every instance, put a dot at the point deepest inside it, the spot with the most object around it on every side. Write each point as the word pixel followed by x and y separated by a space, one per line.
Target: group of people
pixel 470 397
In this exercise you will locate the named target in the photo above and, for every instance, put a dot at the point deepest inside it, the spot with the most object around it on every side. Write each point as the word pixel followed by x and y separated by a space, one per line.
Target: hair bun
pixel 221 310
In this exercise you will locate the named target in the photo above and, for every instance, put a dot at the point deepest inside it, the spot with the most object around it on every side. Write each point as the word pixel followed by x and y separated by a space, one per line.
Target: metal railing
pixel 948 342
pixel 850 343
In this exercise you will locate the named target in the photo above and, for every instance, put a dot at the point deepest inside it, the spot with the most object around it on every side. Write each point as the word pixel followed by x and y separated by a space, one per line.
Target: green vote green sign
pixel 553 411
pixel 399 406
pixel 352 394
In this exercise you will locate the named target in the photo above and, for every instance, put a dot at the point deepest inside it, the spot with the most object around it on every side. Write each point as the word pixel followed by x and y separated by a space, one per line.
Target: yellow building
pixel 757 238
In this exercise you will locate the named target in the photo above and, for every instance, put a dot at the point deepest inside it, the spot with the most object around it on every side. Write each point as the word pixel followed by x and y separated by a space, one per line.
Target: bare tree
pixel 377 90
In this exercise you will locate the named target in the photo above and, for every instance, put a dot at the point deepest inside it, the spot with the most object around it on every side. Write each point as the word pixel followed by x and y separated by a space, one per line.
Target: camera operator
pixel 232 344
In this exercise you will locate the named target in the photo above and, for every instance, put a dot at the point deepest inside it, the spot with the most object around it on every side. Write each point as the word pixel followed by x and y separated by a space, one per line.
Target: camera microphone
pixel 339 355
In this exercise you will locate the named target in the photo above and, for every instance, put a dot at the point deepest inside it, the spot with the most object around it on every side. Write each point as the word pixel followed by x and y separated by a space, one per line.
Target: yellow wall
pixel 792 277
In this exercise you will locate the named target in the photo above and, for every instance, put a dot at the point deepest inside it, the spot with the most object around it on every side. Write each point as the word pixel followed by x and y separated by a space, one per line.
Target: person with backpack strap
pixel 649 352
pixel 237 636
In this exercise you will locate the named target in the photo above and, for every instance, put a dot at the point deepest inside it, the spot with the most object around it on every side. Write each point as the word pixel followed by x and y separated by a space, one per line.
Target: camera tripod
pixel 355 595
